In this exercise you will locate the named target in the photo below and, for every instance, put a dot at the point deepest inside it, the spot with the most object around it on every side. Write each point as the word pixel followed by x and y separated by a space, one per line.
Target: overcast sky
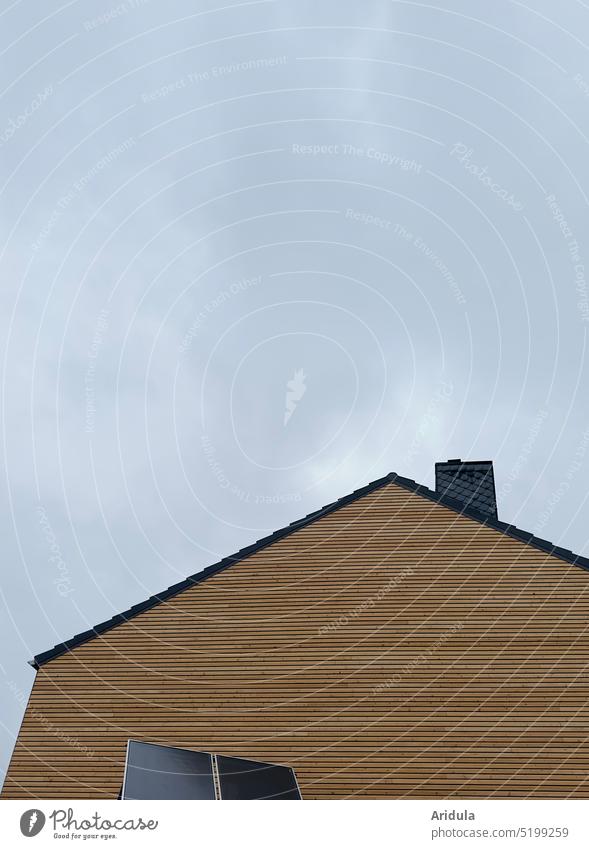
pixel 255 255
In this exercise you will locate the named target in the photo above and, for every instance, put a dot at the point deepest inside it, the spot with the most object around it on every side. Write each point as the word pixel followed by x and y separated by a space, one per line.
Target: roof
pixel 405 483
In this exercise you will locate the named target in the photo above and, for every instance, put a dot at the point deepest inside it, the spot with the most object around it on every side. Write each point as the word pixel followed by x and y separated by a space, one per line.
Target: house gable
pixel 390 647
pixel 405 483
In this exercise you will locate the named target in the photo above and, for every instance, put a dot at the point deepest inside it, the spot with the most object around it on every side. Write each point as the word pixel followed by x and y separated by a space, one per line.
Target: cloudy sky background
pixel 255 255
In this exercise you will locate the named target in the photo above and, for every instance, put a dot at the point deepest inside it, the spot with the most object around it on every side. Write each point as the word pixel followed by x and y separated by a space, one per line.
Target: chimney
pixel 470 482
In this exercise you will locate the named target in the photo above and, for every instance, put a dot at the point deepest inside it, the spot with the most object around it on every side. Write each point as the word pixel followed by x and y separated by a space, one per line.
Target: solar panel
pixel 165 772
pixel 243 779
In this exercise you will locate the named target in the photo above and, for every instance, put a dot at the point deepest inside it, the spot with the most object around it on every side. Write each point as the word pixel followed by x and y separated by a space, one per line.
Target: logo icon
pixel 32 822
pixel 296 389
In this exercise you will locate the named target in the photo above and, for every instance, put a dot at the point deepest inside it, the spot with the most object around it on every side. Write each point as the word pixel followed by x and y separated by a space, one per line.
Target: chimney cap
pixel 457 461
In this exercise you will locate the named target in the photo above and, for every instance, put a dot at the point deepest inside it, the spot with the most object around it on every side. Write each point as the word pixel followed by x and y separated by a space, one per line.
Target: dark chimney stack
pixel 470 482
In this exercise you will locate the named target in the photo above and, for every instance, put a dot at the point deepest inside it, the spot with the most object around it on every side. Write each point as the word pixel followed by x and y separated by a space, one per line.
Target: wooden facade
pixel 393 648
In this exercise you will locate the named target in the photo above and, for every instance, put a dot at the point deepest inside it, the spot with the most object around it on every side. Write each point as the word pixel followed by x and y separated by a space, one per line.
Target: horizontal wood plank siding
pixel 391 649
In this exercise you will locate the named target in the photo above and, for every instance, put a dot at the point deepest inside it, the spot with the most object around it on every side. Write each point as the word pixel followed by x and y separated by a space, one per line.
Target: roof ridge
pixel 406 483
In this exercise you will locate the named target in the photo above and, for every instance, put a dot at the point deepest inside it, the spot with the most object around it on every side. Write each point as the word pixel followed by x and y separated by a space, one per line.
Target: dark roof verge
pixel 405 483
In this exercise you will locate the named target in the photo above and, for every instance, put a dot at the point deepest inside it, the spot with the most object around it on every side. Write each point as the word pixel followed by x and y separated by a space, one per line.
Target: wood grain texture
pixel 391 649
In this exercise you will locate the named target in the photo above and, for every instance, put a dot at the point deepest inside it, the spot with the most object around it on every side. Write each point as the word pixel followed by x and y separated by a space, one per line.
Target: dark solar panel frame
pixel 196 785
pixel 291 789
pixel 222 779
